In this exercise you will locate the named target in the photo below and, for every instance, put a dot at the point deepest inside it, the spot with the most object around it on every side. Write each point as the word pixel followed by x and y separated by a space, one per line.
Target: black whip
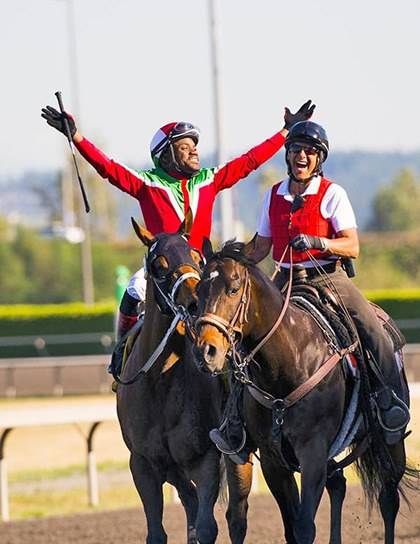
pixel 69 138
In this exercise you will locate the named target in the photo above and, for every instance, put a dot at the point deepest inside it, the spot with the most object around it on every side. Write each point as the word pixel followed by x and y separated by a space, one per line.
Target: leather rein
pixel 180 314
pixel 233 331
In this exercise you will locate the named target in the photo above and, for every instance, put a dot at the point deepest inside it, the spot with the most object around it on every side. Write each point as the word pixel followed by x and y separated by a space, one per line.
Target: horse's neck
pixel 294 350
pixel 153 331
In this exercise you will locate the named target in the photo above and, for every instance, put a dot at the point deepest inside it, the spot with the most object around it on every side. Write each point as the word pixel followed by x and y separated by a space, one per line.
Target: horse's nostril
pixel 192 308
pixel 209 352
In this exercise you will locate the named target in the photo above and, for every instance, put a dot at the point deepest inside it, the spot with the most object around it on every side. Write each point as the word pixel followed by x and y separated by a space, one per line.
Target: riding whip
pixel 69 138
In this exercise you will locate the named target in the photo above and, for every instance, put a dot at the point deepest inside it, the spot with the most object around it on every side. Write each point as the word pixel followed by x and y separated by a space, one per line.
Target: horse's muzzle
pixel 207 358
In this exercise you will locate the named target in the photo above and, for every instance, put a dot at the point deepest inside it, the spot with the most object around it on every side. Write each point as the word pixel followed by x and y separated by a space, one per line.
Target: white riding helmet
pixel 170 133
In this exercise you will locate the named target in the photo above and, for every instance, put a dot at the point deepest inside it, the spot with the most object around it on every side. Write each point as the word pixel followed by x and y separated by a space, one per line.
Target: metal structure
pixel 227 230
pixel 94 414
pixel 85 246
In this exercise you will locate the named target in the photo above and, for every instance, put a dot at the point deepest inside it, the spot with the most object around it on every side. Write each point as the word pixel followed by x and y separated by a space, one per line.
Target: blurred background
pixel 126 68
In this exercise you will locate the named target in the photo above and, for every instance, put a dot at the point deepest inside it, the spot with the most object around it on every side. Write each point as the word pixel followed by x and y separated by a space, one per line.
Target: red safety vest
pixel 307 220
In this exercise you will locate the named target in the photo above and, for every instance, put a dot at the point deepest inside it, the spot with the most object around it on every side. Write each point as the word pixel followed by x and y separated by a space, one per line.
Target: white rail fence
pixel 94 414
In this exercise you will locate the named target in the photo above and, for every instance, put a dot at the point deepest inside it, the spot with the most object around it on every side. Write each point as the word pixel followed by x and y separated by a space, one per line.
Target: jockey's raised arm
pixel 176 183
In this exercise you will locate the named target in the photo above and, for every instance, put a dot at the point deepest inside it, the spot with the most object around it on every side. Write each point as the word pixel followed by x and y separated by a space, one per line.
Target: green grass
pixel 40 504
pixel 33 475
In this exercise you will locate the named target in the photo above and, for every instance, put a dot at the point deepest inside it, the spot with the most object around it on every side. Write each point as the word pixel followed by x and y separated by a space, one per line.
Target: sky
pixel 143 63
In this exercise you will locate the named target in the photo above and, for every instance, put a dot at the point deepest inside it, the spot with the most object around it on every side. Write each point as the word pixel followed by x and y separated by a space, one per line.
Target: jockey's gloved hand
pixel 303 114
pixel 56 119
pixel 303 242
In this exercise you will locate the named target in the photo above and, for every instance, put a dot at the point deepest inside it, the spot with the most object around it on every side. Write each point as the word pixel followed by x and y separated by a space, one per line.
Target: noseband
pixel 180 313
pixel 234 328
pixel 169 298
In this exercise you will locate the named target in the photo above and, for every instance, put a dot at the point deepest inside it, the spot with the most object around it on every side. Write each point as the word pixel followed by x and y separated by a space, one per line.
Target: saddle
pixel 324 301
pixel 123 349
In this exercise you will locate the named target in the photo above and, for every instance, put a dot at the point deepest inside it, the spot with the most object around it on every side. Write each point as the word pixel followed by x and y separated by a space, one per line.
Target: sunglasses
pixel 307 149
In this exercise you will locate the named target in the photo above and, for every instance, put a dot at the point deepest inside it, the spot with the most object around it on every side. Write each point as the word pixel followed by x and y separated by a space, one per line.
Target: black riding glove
pixel 303 114
pixel 56 119
pixel 303 242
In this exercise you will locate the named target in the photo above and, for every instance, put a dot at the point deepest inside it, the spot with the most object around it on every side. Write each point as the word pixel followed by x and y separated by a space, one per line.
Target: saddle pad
pixel 349 360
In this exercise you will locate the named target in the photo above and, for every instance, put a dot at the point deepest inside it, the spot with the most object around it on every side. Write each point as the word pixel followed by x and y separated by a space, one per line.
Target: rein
pixel 232 329
pixel 180 314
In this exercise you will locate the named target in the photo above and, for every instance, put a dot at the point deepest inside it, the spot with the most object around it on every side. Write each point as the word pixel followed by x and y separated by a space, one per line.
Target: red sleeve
pixel 239 168
pixel 119 175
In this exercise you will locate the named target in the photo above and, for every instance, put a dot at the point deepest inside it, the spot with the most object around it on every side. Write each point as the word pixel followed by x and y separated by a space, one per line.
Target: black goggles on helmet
pixel 180 130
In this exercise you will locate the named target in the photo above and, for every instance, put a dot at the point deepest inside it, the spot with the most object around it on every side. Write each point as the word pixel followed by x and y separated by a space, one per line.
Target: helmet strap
pixel 173 163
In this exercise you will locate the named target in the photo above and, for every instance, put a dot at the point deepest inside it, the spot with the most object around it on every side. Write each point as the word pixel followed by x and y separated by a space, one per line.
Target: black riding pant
pixel 368 326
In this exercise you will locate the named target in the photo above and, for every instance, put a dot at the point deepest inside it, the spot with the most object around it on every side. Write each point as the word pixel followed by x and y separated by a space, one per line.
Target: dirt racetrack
pixel 128 526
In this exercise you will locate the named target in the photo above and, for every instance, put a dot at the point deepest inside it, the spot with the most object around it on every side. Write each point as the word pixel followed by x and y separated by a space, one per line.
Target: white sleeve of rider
pixel 264 227
pixel 336 207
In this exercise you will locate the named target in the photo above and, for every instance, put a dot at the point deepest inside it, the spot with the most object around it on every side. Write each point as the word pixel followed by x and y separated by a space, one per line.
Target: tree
pixel 396 207
pixel 268 177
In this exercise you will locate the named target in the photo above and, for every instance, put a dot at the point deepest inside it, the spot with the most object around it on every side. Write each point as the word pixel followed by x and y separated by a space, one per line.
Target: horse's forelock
pixel 232 250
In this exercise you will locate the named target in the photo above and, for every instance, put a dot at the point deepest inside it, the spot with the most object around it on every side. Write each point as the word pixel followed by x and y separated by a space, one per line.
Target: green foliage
pixel 268 177
pixel 37 270
pixel 53 319
pixel 399 303
pixel 396 207
pixel 75 310
pixel 388 261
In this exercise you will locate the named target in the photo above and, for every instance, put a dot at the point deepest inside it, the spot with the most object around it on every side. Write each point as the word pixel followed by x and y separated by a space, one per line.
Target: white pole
pixel 226 208
pixel 85 246
pixel 4 493
pixel 4 490
pixel 92 472
pixel 93 488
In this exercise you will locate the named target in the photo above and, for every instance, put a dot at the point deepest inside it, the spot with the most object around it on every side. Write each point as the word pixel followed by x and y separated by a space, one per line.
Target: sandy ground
pixel 265 527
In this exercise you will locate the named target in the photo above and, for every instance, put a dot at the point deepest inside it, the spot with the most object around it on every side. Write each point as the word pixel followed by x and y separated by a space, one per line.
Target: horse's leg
pixel 283 486
pixel 239 483
pixel 389 497
pixel 313 462
pixel 149 487
pixel 336 487
pixel 206 475
pixel 188 497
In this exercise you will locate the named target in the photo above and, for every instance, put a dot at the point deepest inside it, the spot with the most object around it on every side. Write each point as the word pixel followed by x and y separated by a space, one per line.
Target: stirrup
pixel 399 409
pixel 221 444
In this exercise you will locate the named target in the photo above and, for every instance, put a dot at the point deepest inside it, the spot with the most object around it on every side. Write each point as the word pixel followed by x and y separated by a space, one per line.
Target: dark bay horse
pixel 167 410
pixel 238 302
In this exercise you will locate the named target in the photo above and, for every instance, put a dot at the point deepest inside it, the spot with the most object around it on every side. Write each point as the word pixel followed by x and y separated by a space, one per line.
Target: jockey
pixel 313 214
pixel 176 183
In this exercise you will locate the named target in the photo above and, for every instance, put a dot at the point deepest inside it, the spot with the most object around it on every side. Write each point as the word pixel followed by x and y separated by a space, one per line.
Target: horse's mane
pixel 234 250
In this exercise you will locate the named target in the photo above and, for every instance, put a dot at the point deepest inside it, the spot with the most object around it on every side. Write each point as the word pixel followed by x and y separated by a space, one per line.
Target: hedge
pixel 69 318
pixel 30 320
pixel 399 303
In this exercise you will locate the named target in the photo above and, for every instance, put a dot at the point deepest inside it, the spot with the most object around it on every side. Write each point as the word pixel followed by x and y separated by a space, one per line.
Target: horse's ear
pixel 249 247
pixel 186 225
pixel 207 248
pixel 143 234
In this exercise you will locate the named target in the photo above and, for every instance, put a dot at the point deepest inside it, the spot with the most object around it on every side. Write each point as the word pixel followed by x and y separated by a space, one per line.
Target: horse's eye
pixel 159 267
pixel 232 291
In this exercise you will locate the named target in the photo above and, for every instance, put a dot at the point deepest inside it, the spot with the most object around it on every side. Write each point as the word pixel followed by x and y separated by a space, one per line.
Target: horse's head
pixel 224 296
pixel 173 266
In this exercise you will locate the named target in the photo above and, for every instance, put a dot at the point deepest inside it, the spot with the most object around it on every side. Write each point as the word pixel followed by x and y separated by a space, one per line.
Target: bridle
pixel 167 288
pixel 233 329
pixel 233 332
